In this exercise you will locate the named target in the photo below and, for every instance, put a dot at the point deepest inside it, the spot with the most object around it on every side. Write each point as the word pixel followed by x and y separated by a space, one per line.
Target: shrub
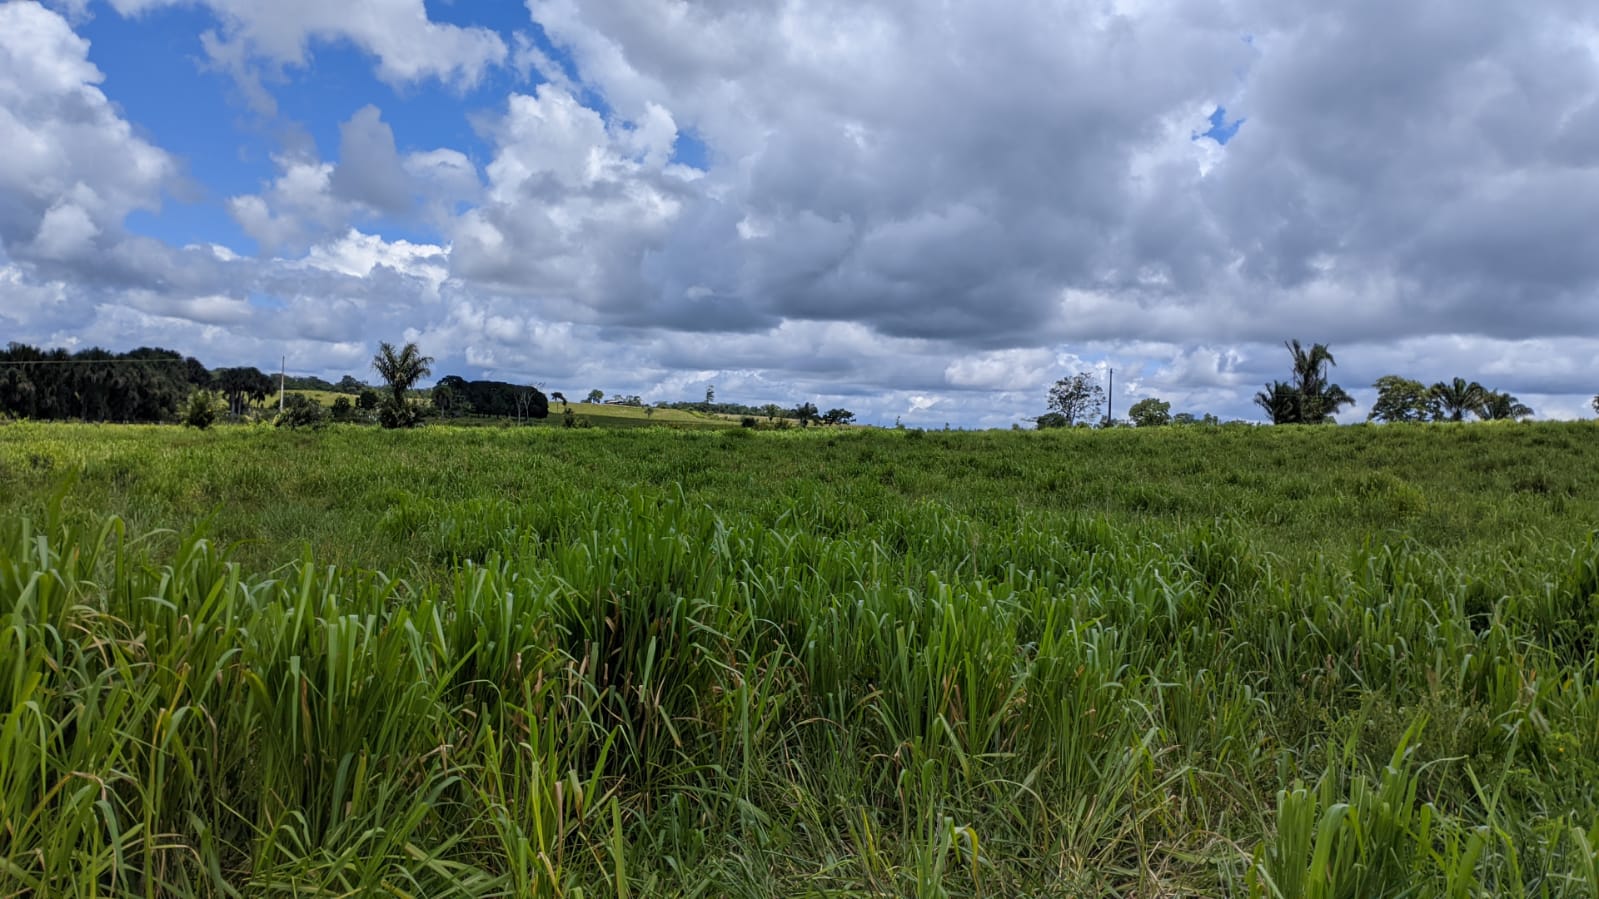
pixel 201 410
pixel 343 409
pixel 399 414
pixel 300 412
pixel 748 421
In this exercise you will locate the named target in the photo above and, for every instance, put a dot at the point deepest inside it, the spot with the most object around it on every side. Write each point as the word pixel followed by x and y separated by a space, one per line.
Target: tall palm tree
pixel 1281 402
pixel 401 369
pixel 1319 400
pixel 1498 406
pixel 1456 398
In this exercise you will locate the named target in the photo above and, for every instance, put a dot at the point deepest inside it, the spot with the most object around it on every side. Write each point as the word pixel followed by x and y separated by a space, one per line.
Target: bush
pixel 201 410
pixel 748 421
pixel 399 414
pixel 300 412
pixel 343 409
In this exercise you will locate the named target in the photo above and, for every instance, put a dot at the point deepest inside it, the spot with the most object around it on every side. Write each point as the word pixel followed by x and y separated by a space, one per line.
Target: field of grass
pixel 1318 662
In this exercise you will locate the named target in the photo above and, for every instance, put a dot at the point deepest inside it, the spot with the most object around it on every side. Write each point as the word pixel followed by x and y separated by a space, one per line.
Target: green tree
pixel 1077 398
pixel 1281 402
pixel 400 370
pixel 1498 406
pixel 1319 399
pixel 343 409
pixel 1150 412
pixel 201 410
pixel 596 396
pixel 1457 397
pixel 367 400
pixel 838 417
pixel 1401 399
pixel 447 402
pixel 1051 420
pixel 242 386
pixel 806 413
pixel 300 411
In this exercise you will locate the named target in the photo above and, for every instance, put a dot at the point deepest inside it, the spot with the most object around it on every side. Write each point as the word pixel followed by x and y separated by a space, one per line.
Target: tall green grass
pixel 478 664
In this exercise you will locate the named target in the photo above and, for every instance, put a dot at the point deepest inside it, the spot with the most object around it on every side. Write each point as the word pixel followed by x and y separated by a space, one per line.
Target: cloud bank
pixel 916 209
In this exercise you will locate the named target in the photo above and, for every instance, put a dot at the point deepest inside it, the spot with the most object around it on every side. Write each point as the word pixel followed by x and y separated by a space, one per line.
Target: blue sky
pixel 925 217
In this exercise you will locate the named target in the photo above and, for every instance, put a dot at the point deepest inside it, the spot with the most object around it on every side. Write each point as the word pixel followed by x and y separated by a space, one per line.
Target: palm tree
pixel 1319 400
pixel 400 370
pixel 1498 406
pixel 1456 398
pixel 1281 402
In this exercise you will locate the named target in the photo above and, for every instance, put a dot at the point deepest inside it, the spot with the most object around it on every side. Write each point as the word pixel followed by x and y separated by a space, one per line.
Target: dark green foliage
pixel 300 411
pixel 494 399
pixel 1309 397
pixel 1497 406
pixel 1401 399
pixel 343 410
pixel 400 369
pixel 201 410
pixel 1455 398
pixel 1150 412
pixel 401 414
pixel 144 385
pixel 367 400
pixel 1051 420
pixel 838 417
pixel 243 386
pixel 1078 398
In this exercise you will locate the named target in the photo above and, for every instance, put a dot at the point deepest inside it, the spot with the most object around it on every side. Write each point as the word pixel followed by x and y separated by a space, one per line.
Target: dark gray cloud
pixel 370 170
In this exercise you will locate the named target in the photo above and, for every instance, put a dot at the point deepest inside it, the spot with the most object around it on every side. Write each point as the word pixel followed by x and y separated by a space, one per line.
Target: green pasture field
pixel 1287 662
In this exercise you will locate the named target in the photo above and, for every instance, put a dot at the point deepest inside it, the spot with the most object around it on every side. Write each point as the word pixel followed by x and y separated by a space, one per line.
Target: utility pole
pixel 283 379
pixel 1110 400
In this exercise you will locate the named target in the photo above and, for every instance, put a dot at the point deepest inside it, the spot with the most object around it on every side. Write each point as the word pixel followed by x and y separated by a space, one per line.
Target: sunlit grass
pixel 486 662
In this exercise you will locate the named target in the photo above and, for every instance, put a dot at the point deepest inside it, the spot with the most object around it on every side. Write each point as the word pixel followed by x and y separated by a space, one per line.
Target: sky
pixel 920 210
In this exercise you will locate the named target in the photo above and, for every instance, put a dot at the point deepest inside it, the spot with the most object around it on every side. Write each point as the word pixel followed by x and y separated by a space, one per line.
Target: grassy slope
pixel 834 663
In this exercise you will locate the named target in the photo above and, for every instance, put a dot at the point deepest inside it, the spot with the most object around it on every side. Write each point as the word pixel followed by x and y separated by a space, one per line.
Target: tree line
pixel 1309 396
pixel 142 385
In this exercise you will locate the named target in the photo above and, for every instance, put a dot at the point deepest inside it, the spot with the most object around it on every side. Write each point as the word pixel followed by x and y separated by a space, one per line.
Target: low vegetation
pixel 547 662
